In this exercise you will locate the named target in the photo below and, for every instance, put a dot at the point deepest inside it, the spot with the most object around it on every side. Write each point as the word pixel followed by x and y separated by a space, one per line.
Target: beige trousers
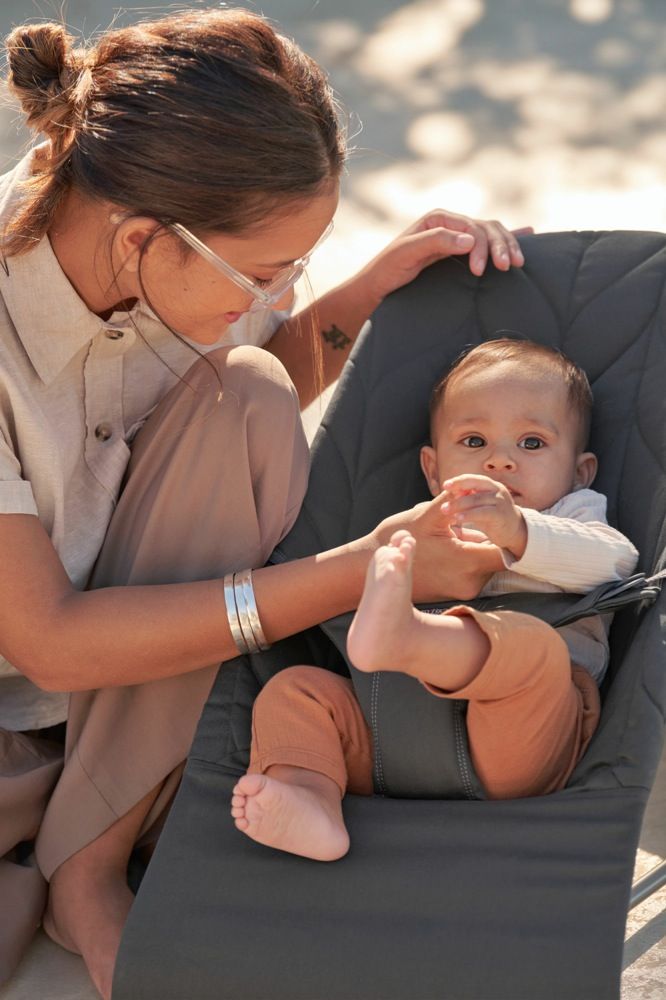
pixel 216 479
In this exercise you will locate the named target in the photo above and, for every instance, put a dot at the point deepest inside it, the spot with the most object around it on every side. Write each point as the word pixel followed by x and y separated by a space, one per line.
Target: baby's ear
pixel 430 470
pixel 586 469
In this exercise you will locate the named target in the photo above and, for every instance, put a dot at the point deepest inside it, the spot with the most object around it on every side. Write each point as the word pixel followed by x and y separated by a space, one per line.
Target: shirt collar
pixel 52 321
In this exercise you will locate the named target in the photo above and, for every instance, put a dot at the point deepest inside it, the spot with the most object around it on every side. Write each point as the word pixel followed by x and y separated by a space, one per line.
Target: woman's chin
pixel 206 337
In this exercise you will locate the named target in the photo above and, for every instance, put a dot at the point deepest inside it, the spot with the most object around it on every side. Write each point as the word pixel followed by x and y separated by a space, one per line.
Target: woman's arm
pixel 66 640
pixel 339 315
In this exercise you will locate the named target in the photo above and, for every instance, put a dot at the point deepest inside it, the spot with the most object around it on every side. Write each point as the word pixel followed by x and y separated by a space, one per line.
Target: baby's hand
pixel 479 502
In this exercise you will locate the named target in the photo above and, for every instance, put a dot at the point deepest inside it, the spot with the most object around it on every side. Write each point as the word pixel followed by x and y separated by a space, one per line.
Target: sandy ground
pixel 548 113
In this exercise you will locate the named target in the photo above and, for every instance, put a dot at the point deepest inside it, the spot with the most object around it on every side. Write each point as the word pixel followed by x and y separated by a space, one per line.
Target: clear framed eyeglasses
pixel 265 295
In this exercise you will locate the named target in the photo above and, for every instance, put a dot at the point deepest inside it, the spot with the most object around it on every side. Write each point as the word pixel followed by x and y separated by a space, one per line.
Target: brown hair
pixel 538 357
pixel 208 118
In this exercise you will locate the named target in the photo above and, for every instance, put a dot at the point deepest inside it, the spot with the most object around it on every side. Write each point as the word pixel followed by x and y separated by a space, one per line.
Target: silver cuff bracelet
pixel 232 614
pixel 242 613
pixel 243 583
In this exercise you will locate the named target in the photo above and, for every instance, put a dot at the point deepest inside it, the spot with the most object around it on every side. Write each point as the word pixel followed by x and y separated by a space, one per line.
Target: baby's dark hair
pixel 532 355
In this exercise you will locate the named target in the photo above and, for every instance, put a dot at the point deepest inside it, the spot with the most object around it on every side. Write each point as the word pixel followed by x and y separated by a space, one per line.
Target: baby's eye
pixel 531 443
pixel 262 282
pixel 473 441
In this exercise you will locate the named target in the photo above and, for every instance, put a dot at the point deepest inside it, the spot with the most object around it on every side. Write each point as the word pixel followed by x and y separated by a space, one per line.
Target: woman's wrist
pixel 296 595
pixel 365 289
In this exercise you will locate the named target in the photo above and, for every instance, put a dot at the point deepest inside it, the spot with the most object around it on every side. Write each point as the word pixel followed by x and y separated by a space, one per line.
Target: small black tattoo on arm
pixel 336 338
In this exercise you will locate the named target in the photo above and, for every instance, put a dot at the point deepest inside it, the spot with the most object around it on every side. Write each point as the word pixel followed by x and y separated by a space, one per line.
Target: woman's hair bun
pixel 43 70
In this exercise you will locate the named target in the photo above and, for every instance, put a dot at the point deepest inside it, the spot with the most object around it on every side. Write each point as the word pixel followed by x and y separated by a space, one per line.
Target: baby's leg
pixel 310 743
pixel 389 633
pixel 530 716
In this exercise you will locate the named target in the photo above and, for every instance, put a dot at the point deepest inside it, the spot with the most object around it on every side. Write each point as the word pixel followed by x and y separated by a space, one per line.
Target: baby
pixel 509 427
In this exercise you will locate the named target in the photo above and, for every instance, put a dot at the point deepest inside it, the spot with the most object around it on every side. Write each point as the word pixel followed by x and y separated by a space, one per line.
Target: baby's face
pixel 515 426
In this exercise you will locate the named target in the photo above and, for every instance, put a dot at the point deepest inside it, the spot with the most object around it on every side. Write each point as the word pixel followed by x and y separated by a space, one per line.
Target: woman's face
pixel 195 299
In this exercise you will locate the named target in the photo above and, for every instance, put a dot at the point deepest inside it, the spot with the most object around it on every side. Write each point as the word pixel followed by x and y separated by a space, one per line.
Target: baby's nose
pixel 499 460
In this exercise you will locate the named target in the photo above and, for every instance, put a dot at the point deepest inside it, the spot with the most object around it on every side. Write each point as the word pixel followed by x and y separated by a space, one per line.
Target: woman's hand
pixel 442 234
pixel 445 566
pixel 341 313
pixel 485 505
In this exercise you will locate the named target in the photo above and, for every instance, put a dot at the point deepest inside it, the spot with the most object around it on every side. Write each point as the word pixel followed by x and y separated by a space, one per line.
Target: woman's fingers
pixel 491 239
pixel 494 240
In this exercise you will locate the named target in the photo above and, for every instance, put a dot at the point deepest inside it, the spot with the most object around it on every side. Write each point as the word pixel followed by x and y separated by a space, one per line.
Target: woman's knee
pixel 244 371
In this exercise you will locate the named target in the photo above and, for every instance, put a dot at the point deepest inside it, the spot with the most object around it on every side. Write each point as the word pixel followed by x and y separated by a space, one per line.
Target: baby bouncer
pixel 444 895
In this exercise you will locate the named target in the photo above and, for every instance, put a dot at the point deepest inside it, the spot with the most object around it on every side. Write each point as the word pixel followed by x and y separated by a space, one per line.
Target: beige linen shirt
pixel 74 390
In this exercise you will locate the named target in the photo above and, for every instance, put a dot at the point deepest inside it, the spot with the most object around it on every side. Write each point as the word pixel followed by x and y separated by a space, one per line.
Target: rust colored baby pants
pixel 531 715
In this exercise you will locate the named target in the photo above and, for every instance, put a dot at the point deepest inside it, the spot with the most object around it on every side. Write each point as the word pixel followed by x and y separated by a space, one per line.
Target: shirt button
pixel 103 432
pixel 115 334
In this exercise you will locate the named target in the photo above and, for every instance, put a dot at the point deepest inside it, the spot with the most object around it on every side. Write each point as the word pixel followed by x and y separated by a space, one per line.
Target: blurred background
pixel 547 113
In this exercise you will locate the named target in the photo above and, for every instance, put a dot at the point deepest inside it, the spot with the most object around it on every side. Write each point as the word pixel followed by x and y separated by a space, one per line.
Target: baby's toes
pixel 238 803
pixel 398 537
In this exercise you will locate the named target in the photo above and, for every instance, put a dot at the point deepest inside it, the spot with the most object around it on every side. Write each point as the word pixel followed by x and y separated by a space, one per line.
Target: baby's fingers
pixel 466 502
pixel 467 483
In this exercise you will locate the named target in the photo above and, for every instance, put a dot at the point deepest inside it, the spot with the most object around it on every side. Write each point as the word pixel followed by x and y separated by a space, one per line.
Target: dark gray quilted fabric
pixel 596 296
pixel 438 900
pixel 599 298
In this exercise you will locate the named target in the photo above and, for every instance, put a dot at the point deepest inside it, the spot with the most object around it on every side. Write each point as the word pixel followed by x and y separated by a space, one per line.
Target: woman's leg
pixel 29 768
pixel 216 479
pixel 529 718
pixel 89 897
pixel 310 744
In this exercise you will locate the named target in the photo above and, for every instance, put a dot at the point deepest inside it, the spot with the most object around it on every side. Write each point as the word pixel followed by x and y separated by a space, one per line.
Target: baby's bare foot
pixel 303 819
pixel 379 636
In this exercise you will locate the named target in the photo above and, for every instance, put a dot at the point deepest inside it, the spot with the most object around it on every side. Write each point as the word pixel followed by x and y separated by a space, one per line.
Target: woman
pixel 190 168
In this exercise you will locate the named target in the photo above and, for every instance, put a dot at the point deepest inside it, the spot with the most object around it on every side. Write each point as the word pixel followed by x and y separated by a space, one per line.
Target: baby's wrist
pixel 517 544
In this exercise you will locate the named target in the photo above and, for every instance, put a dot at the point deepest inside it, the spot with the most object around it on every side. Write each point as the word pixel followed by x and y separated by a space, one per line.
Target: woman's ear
pixel 129 238
pixel 430 470
pixel 586 469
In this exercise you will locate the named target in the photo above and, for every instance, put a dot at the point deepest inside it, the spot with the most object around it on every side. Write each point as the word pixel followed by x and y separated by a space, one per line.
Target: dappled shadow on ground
pixel 549 113
pixel 523 110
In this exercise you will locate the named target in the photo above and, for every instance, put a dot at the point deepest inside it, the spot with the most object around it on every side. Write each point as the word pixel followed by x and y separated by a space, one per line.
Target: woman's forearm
pixel 66 640
pixel 129 635
pixel 338 317
pixel 335 320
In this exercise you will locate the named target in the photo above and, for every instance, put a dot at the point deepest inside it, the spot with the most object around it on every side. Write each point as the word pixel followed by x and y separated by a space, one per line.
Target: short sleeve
pixel 16 496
